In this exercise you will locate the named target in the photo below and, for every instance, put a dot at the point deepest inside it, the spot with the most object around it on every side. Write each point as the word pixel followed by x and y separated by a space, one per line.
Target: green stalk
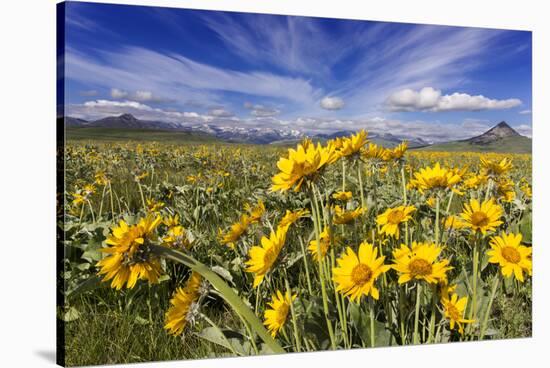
pixel 404 184
pixel 112 204
pixel 152 179
pixel 316 221
pixel 101 203
pixel 432 317
pixel 437 219
pixel 360 178
pixel 475 262
pixel 371 314
pixel 345 321
pixel 374 185
pixel 416 338
pixel 489 306
pixel 450 201
pixel 293 315
pixel 225 291
pixel 250 334
pixel 142 197
pixel 343 175
pixel 81 214
pixel 257 304
pixel 402 317
pixel 91 210
pixel 340 310
pixel 306 266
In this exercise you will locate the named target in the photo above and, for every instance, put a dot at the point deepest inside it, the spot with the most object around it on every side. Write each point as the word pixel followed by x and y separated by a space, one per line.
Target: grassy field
pixel 216 203
pixel 138 135
pixel 504 145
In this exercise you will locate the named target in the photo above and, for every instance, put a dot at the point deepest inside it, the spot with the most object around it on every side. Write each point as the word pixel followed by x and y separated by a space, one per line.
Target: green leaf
pixel 223 273
pixel 90 284
pixel 229 339
pixel 72 314
pixel 92 256
pixel 141 321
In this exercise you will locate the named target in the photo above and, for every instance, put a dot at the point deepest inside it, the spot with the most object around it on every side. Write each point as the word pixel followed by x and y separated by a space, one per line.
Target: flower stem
pixel 475 261
pixel 360 178
pixel 432 317
pixel 316 221
pixel 112 203
pixel 404 184
pixel 293 315
pixel 101 203
pixel 142 197
pixel 372 332
pixel 416 338
pixel 225 291
pixel 306 265
pixel 489 306
pixel 437 220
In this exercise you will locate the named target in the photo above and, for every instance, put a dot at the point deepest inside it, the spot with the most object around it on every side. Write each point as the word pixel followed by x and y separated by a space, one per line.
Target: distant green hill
pixel 146 135
pixel 515 144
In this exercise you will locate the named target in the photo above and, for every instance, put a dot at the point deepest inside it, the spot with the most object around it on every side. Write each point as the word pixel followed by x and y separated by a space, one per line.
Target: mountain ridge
pixel 489 141
pixel 500 138
pixel 237 134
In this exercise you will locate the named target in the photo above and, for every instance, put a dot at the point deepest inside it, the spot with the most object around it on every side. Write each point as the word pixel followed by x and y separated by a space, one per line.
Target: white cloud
pixel 139 69
pixel 118 93
pixel 332 103
pixel 220 113
pixel 524 129
pixel 139 95
pixel 259 110
pixel 97 109
pixel 428 131
pixel 121 104
pixel 430 99
pixel 525 112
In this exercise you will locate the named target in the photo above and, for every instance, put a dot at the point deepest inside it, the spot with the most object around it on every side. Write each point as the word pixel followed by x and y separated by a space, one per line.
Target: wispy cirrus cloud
pixel 134 68
pixel 299 44
pixel 312 73
pixel 415 57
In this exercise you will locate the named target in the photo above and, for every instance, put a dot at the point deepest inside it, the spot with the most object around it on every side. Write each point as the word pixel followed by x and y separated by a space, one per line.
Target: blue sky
pixel 302 73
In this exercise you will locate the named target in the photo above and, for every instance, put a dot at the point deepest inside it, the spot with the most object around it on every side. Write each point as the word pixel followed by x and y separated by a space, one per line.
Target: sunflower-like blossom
pixel 512 257
pixel 276 315
pixel 303 163
pixel 420 262
pixel 262 258
pixel 129 258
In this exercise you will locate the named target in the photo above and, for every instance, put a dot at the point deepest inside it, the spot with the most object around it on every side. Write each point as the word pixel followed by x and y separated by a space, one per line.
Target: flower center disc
pixel 420 267
pixel 361 274
pixel 511 254
pixel 269 257
pixel 282 313
pixel 480 219
pixel 395 216
pixel 453 312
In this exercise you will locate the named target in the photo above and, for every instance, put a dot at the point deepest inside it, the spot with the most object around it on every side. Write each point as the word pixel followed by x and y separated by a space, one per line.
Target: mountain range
pixel 263 135
pixel 500 138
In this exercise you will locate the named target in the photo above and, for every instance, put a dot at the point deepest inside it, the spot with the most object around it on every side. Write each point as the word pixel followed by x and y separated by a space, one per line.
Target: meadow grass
pixel 209 187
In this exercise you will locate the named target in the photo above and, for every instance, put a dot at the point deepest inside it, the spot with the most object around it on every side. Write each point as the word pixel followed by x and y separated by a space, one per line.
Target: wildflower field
pixel 210 250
